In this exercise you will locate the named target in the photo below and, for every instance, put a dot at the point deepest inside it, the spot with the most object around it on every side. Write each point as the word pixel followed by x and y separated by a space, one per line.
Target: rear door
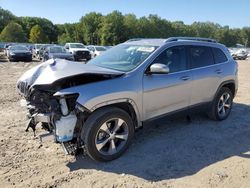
pixel 205 73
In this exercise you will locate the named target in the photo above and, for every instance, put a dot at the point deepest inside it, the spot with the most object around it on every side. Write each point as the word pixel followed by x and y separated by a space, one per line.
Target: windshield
pixel 99 48
pixel 76 46
pixel 124 57
pixel 18 48
pixel 57 49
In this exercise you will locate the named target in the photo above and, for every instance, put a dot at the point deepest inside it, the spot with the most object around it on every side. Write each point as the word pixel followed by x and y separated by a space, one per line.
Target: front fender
pixel 99 94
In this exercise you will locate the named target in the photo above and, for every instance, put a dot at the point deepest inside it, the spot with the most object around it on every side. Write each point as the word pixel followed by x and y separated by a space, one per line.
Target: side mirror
pixel 67 48
pixel 158 68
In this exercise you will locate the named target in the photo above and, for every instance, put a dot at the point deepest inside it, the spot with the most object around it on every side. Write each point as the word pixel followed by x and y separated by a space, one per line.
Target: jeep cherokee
pixel 97 106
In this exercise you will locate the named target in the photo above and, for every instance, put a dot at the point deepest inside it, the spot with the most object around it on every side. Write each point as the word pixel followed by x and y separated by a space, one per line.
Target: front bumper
pixel 62 126
pixel 20 57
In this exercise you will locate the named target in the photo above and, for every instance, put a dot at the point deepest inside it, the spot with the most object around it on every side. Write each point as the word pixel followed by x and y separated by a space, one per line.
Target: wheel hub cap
pixel 224 104
pixel 111 136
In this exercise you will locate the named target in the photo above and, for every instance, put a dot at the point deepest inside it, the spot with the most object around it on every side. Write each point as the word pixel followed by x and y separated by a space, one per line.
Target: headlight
pixel 12 53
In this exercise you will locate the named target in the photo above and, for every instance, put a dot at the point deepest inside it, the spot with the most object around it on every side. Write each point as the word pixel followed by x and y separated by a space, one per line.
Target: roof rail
pixel 172 39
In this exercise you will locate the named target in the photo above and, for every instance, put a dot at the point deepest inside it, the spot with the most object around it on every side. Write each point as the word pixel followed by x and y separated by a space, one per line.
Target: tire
pixel 219 103
pixel 100 137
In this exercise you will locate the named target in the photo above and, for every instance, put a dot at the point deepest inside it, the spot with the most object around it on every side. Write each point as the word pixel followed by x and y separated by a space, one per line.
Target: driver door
pixel 164 93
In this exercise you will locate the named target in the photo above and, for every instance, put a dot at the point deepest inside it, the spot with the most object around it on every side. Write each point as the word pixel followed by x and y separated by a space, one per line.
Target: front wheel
pixel 221 105
pixel 107 133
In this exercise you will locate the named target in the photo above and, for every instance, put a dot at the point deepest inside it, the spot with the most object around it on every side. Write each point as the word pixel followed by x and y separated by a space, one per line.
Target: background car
pixel 57 52
pixel 108 47
pixel 41 51
pixel 6 48
pixel 2 47
pixel 30 47
pixel 19 53
pixel 96 50
pixel 36 49
pixel 241 54
pixel 78 50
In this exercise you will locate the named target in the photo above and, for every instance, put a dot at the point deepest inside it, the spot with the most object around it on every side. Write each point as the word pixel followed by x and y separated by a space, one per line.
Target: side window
pixel 174 58
pixel 200 56
pixel 219 56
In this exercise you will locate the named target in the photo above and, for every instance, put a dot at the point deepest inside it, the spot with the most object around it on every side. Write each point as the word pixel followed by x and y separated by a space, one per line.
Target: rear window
pixel 201 56
pixel 219 56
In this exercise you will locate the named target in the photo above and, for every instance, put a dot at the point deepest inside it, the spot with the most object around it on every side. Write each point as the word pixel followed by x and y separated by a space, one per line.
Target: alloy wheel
pixel 111 136
pixel 224 104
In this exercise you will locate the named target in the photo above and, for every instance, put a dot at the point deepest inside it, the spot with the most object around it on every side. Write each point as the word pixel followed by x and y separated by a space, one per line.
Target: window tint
pixel 219 56
pixel 200 56
pixel 174 57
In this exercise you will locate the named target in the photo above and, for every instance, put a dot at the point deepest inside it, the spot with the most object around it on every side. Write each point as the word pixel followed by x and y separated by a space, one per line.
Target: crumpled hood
pixel 55 69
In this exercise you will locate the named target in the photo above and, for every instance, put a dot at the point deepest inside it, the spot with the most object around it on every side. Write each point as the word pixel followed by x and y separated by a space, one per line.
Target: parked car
pixel 53 52
pixel 19 53
pixel 2 47
pixel 96 50
pixel 30 47
pixel 6 48
pixel 36 50
pixel 240 54
pixel 41 51
pixel 78 50
pixel 108 47
pixel 97 106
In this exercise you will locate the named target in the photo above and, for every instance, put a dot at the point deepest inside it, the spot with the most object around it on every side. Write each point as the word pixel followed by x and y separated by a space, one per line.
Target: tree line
pixel 111 29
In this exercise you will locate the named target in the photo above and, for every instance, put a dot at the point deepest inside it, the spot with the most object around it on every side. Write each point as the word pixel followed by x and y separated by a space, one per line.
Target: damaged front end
pixel 60 115
pixel 57 115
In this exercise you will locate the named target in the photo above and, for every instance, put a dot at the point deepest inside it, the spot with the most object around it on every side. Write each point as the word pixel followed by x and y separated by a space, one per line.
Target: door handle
pixel 185 78
pixel 218 71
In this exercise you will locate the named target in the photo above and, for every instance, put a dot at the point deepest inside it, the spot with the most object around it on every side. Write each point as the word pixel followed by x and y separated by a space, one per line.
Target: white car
pixel 6 49
pixel 78 50
pixel 96 50
pixel 36 49
pixel 240 54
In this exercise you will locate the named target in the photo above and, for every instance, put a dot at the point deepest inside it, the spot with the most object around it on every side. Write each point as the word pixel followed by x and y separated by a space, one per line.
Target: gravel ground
pixel 166 153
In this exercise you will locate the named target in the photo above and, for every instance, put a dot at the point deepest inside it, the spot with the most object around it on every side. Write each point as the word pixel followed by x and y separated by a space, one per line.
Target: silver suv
pixel 97 106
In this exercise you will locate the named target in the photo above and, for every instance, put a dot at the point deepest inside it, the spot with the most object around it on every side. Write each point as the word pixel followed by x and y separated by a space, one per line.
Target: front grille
pixel 82 54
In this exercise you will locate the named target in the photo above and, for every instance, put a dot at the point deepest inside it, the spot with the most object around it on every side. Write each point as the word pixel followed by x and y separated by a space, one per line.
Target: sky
pixel 224 12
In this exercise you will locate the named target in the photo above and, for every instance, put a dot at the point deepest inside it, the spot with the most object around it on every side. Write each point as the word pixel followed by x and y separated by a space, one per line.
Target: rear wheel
pixel 221 105
pixel 107 134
